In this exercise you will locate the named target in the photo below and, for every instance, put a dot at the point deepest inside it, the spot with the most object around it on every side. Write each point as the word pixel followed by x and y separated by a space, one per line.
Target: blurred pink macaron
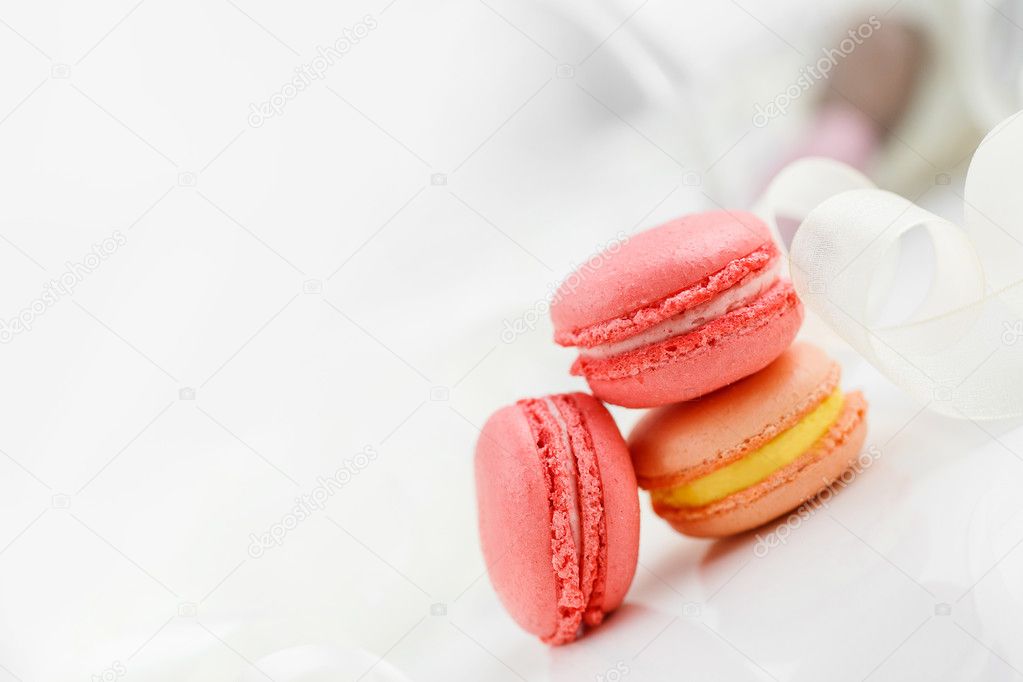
pixel 558 513
pixel 678 311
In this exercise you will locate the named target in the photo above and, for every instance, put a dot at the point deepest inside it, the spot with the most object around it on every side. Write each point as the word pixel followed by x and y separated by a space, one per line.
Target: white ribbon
pixel 961 351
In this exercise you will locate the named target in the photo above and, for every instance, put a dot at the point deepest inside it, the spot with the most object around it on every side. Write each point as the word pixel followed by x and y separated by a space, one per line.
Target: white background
pixel 338 279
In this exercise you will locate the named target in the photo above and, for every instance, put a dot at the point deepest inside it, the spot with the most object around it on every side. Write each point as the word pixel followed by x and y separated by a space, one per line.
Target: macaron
pixel 752 451
pixel 558 513
pixel 678 311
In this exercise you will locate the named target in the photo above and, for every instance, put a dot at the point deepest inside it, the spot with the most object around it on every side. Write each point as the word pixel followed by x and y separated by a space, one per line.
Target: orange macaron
pixel 752 451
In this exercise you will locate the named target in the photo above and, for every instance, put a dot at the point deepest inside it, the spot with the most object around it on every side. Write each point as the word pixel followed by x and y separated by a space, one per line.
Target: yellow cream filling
pixel 785 448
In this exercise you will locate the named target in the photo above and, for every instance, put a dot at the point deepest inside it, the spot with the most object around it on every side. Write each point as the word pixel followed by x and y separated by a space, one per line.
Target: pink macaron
pixel 678 311
pixel 558 513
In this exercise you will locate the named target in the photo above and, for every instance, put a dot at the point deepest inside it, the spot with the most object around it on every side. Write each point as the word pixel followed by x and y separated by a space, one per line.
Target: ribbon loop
pixel 961 351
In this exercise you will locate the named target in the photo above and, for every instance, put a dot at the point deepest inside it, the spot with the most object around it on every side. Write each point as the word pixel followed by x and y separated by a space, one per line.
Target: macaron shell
pixel 515 521
pixel 739 272
pixel 677 443
pixel 786 489
pixel 734 352
pixel 654 264
pixel 621 499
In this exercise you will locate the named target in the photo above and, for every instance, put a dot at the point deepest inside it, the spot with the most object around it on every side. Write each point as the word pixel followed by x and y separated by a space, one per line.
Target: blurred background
pixel 267 268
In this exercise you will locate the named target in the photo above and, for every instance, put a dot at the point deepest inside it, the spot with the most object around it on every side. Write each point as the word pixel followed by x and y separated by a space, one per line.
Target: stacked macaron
pixel 678 311
pixel 692 318
pixel 753 450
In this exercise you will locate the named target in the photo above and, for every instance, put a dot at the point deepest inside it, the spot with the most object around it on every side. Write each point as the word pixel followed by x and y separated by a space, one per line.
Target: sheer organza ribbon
pixel 961 351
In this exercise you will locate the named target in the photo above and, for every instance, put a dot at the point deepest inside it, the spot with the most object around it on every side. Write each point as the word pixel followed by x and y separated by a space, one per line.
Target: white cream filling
pixel 574 517
pixel 683 323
